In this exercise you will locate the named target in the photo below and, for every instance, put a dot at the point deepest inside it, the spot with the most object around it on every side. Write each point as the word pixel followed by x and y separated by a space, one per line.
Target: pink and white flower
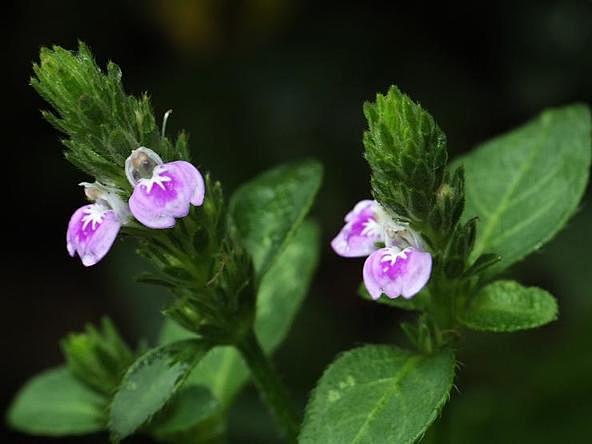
pixel 93 228
pixel 362 231
pixel 396 272
pixel 397 263
pixel 162 192
pixel 91 233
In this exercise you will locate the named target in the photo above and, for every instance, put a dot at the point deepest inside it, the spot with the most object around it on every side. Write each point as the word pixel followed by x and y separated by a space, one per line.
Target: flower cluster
pixel 162 192
pixel 397 263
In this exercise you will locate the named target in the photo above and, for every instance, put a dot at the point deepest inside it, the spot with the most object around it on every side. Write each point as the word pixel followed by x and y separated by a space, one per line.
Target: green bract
pixel 99 357
pixel 102 124
pixel 406 151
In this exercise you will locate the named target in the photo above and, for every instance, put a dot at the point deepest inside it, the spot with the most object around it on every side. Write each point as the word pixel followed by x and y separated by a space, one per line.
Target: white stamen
pixel 93 215
pixel 392 256
pixel 371 228
pixel 107 197
pixel 155 179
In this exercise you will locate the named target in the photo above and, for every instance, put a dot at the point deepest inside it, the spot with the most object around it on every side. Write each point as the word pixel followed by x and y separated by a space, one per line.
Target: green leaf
pixel 150 382
pixel 526 184
pixel 266 211
pixel 223 371
pixel 285 286
pixel 185 417
pixel 416 303
pixel 54 403
pixel 280 295
pixel 505 306
pixel 376 394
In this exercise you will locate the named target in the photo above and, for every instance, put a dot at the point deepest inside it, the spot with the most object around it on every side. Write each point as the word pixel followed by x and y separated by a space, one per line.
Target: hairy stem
pixel 270 386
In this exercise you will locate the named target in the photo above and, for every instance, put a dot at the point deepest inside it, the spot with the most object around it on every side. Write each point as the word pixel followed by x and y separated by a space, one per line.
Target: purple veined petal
pixel 362 231
pixel 393 272
pixel 91 232
pixel 174 186
pixel 419 269
pixel 371 281
pixel 195 182
pixel 360 207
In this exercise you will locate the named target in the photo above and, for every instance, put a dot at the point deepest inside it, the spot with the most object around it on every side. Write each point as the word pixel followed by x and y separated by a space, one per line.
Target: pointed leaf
pixel 54 403
pixel 505 306
pixel 376 394
pixel 526 184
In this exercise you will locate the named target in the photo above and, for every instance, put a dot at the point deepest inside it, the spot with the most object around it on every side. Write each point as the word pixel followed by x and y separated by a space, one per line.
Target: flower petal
pixel 362 231
pixel 360 207
pixel 195 182
pixel 91 232
pixel 373 285
pixel 419 269
pixel 395 272
pixel 174 186
pixel 74 226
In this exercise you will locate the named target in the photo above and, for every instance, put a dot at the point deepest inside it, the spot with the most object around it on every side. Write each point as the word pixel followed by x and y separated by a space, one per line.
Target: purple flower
pixel 93 228
pixel 397 263
pixel 162 191
pixel 91 232
pixel 396 272
pixel 362 231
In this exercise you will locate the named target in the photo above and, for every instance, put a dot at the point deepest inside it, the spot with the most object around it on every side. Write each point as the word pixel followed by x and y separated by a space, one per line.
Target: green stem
pixel 444 294
pixel 271 388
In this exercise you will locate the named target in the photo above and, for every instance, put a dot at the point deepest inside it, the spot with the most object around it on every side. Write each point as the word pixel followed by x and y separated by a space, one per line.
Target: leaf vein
pixel 396 379
pixel 505 201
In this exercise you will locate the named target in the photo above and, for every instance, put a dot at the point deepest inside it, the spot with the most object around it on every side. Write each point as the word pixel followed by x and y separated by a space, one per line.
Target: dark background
pixel 259 82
